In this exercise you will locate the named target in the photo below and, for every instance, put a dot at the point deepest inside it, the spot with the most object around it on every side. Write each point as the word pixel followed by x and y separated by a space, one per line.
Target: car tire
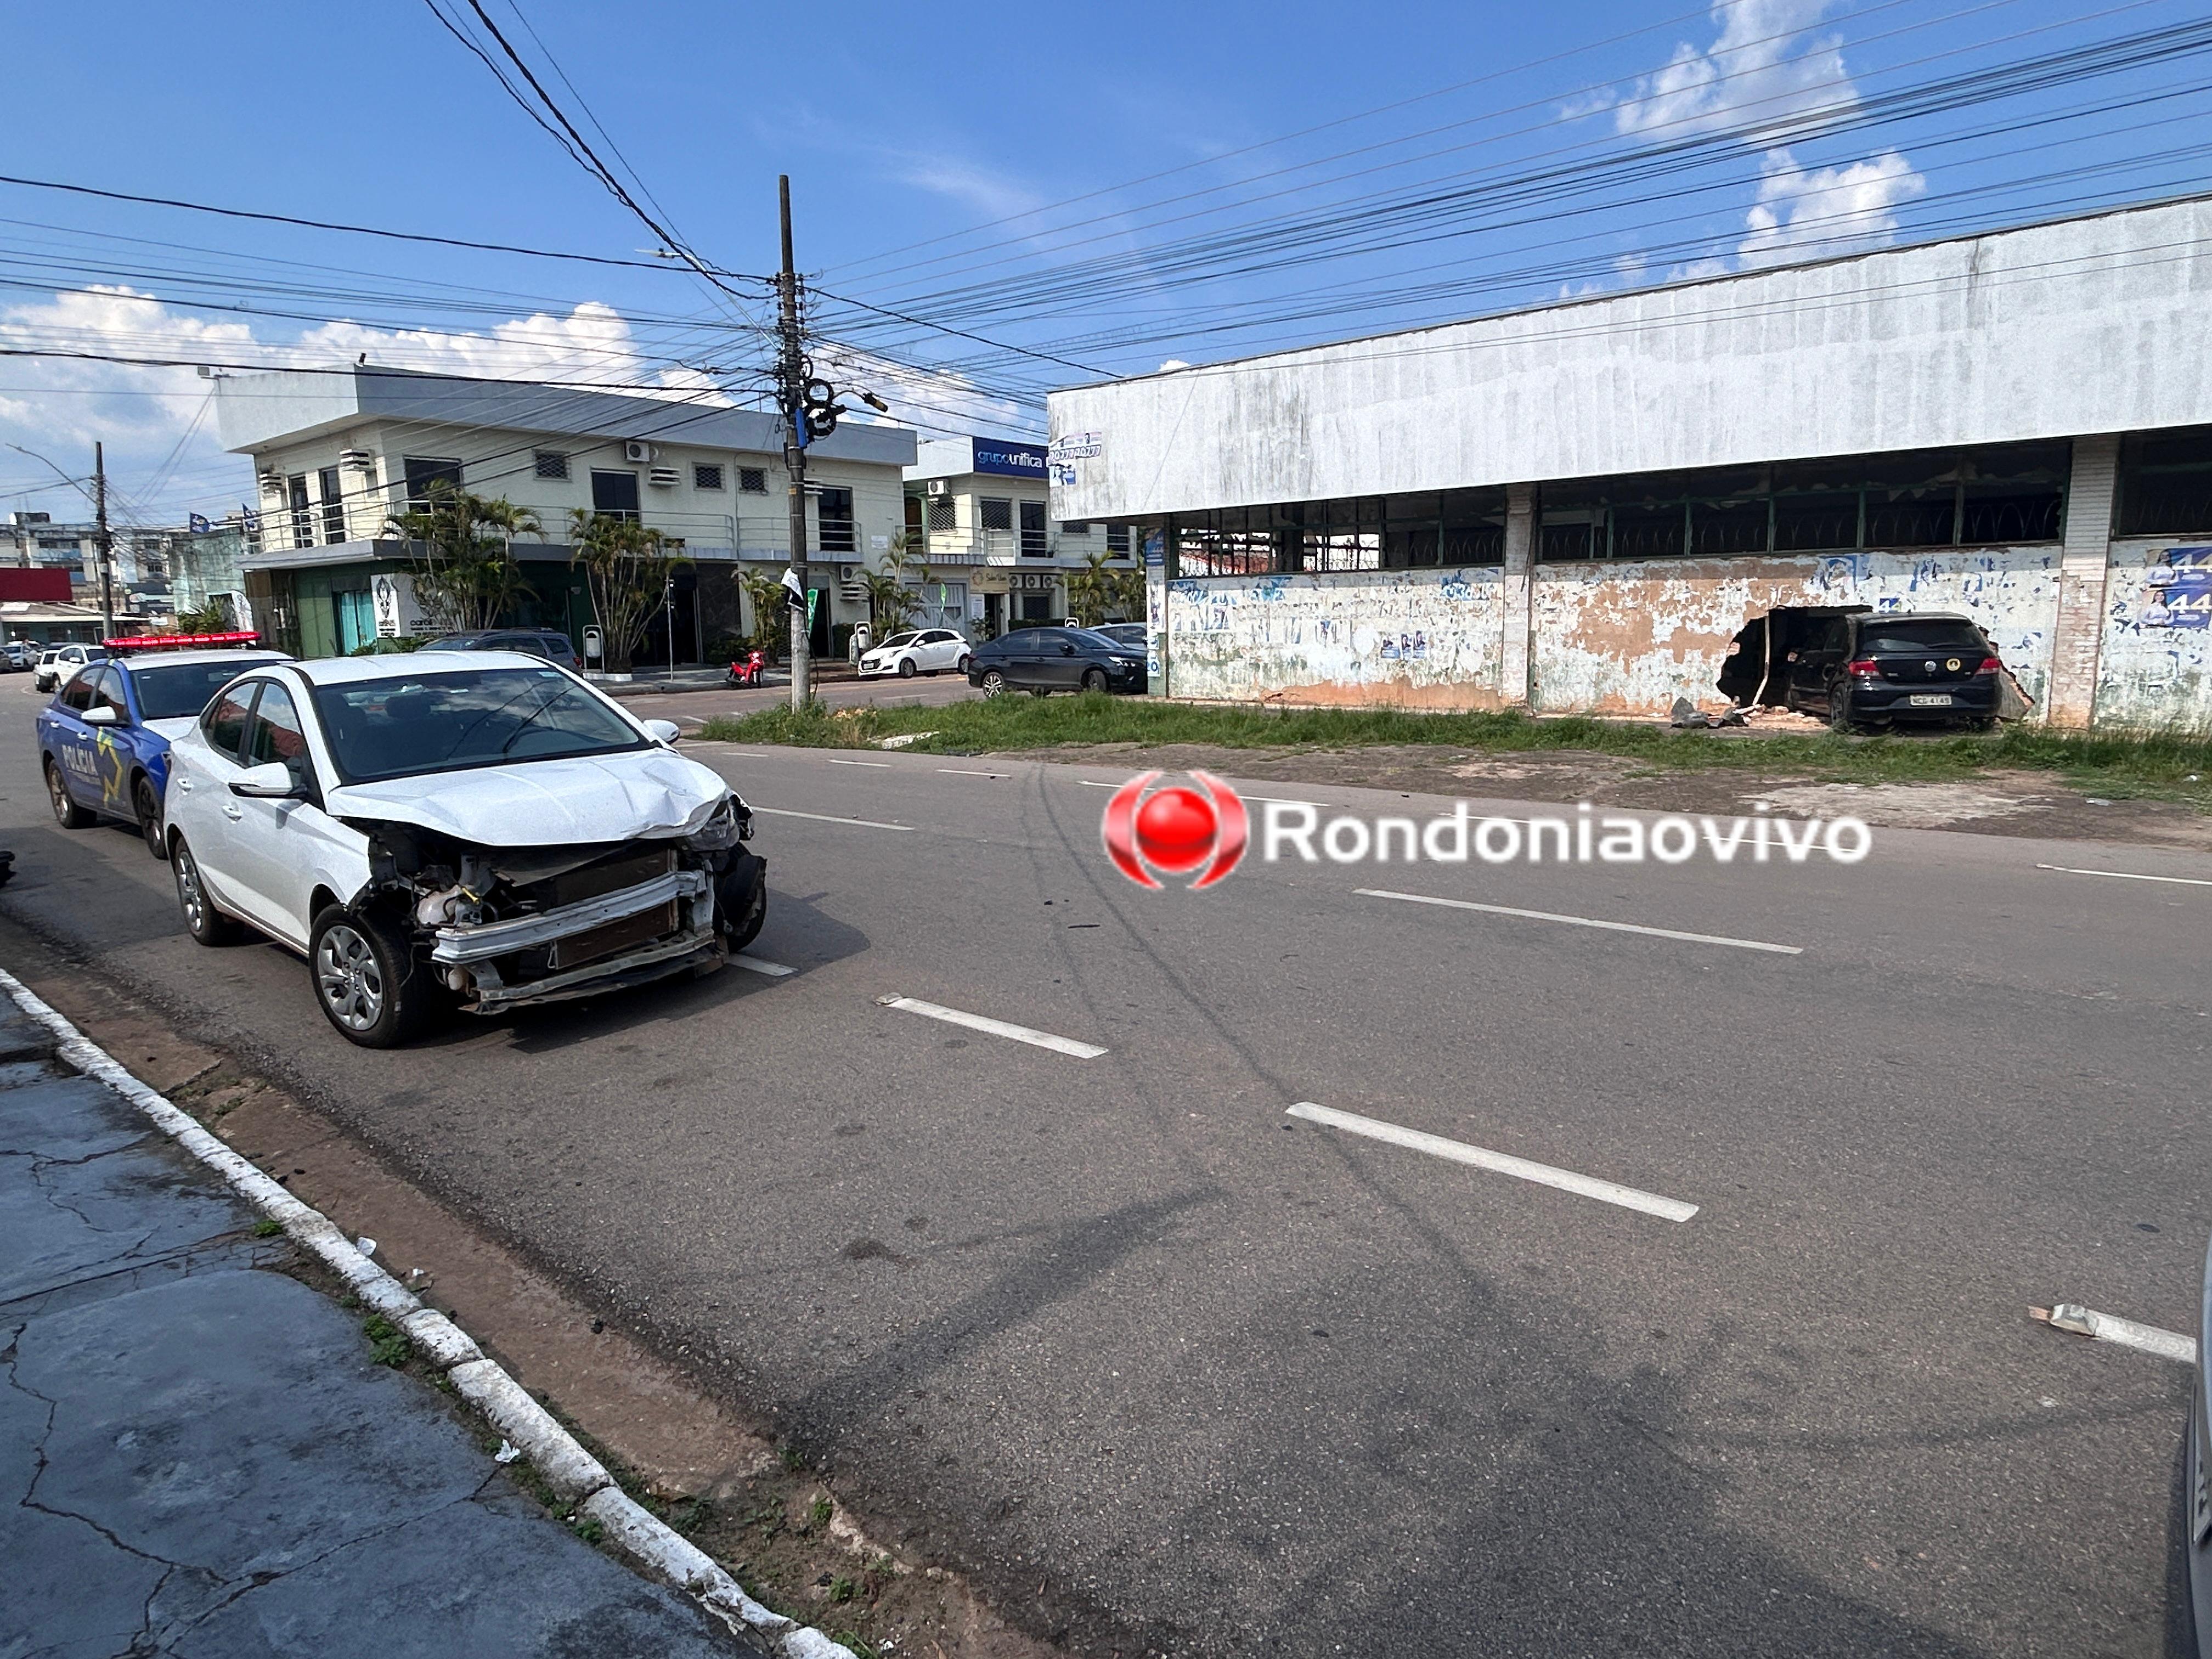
pixel 1840 720
pixel 1094 679
pixel 906 668
pixel 962 666
pixel 207 925
pixel 995 683
pixel 366 979
pixel 67 812
pixel 148 806
pixel 741 901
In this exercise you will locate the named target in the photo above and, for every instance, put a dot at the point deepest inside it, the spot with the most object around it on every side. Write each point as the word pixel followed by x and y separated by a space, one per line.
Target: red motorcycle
pixel 747 670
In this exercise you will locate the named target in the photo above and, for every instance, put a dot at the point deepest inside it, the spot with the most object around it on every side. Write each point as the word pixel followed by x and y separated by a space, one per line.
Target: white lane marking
pixel 825 817
pixel 762 965
pixel 2126 875
pixel 995 1027
pixel 1284 800
pixel 1093 783
pixel 2111 1327
pixel 1667 1209
pixel 963 772
pixel 1584 922
pixel 885 765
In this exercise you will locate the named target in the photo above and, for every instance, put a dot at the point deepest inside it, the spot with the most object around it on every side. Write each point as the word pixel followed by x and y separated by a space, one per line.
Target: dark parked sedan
pixel 531 642
pixel 1043 660
pixel 1878 670
pixel 2198 1494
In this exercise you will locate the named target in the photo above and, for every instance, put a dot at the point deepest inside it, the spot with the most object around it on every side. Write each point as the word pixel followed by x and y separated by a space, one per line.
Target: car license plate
pixel 1930 700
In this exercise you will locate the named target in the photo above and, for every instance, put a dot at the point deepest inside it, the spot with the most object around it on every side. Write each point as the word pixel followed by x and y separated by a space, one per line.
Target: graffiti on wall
pixel 1629 638
pixel 1426 638
pixel 2155 667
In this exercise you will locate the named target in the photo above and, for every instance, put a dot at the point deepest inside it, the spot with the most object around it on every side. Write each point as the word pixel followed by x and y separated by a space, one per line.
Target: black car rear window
pixel 178 691
pixel 1920 633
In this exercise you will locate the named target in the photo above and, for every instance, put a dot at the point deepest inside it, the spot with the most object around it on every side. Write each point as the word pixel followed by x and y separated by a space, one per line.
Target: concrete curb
pixel 578 1479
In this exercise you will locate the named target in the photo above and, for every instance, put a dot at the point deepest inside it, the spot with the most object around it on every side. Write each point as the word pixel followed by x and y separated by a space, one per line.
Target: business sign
pixel 1155 548
pixel 1078 446
pixel 2179 590
pixel 1010 460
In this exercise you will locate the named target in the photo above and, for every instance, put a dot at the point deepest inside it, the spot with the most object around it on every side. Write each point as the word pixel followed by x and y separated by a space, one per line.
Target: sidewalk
pixel 199 1457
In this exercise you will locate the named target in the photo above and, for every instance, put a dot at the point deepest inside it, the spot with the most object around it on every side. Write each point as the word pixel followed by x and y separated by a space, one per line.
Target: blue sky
pixel 1107 188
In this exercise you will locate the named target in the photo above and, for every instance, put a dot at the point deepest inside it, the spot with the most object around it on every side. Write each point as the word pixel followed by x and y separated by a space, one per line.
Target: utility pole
pixel 107 542
pixel 791 379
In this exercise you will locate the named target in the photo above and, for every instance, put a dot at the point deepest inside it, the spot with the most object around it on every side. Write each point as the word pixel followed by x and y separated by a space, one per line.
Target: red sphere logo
pixel 1175 830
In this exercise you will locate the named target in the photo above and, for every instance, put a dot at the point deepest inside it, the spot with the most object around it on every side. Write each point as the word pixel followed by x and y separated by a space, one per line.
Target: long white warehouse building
pixel 1587 506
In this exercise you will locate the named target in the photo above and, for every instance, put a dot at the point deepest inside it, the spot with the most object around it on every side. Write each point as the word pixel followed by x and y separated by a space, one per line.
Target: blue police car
pixel 104 739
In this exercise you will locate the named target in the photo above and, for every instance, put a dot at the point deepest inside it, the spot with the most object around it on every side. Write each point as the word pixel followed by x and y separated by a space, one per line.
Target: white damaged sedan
pixel 479 830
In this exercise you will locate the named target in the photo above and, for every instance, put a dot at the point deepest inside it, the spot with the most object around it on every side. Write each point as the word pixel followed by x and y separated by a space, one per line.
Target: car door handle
pixel 184 784
pixel 233 813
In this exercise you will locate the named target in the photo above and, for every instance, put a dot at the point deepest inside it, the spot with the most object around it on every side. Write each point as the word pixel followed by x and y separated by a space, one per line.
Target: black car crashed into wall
pixel 1043 660
pixel 1879 668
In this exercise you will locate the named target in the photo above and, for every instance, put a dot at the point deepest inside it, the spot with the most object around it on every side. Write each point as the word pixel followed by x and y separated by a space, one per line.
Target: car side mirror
pixel 103 715
pixel 666 732
pixel 272 781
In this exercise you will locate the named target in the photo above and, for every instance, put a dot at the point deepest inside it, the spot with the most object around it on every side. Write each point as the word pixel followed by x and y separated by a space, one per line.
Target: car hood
pixel 549 803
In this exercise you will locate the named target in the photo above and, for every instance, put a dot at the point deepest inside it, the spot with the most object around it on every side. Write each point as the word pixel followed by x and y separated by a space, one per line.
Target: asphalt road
pixel 1171 1368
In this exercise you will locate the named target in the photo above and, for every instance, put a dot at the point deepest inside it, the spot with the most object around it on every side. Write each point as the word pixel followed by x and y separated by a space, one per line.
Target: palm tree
pixel 626 567
pixel 465 576
pixel 1094 590
pixel 766 593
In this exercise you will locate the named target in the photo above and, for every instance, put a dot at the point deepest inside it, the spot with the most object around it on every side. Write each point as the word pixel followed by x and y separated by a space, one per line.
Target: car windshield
pixel 1096 640
pixel 179 690
pixel 1919 634
pixel 404 727
pixel 453 642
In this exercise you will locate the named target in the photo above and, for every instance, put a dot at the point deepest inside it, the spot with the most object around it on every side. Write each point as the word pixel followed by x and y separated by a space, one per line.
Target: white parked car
pixel 917 650
pixel 480 829
pixel 63 660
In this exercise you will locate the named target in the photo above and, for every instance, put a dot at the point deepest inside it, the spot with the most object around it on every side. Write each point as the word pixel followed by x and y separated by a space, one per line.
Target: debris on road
pixel 2072 1317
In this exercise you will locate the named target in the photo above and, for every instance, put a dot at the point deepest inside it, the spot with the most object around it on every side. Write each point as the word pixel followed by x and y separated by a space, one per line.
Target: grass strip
pixel 2173 767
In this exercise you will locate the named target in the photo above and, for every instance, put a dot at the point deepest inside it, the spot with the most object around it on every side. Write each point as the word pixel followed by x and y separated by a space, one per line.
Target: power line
pixel 355 230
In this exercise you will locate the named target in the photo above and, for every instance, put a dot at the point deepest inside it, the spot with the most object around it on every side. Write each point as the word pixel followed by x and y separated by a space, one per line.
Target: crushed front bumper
pixel 625 937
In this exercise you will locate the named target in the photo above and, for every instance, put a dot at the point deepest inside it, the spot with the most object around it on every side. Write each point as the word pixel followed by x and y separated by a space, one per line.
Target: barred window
pixel 705 475
pixel 753 480
pixel 943 513
pixel 1117 538
pixel 551 464
pixel 996 514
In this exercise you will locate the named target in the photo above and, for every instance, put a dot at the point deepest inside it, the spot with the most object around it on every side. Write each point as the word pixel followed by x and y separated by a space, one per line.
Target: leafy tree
pixel 891 603
pixel 465 576
pixel 764 590
pixel 213 618
pixel 1094 590
pixel 627 568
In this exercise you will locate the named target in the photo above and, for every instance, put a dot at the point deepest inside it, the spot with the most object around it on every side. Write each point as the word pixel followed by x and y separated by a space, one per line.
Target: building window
pixel 1996 497
pixel 942 515
pixel 705 475
pixel 2166 483
pixel 615 494
pixel 836 520
pixel 551 464
pixel 1074 527
pixel 333 497
pixel 752 480
pixel 1117 540
pixel 421 474
pixel 993 514
pixel 303 522
pixel 1033 545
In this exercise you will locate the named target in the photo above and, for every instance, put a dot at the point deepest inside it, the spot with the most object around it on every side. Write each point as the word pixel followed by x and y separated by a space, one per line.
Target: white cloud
pixel 1826 211
pixel 59 406
pixel 1758 67
pixel 1765 64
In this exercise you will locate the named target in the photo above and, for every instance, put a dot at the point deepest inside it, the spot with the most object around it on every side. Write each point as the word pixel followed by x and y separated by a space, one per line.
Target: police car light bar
pixel 181 642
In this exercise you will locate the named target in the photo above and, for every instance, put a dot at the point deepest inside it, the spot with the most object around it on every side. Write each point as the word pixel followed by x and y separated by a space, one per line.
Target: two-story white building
pixel 978 508
pixel 339 453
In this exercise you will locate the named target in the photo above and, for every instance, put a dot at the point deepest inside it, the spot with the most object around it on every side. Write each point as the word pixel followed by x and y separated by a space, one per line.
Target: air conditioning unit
pixel 356 457
pixel 940 486
pixel 637 449
pixel 662 478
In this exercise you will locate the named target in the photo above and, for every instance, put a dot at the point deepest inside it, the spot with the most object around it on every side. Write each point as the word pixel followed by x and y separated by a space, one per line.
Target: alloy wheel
pixel 350 977
pixel 58 792
pixel 189 897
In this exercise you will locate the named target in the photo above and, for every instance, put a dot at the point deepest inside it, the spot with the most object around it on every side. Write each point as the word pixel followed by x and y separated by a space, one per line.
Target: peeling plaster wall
pixel 2150 677
pixel 1431 639
pixel 1629 638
